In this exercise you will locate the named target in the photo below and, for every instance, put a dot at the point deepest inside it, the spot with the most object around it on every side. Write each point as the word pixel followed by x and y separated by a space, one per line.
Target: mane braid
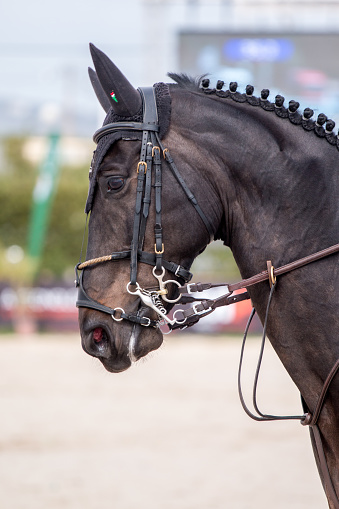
pixel 322 127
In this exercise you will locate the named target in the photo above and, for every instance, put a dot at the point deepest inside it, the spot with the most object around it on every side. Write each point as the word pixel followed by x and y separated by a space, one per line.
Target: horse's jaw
pixel 116 345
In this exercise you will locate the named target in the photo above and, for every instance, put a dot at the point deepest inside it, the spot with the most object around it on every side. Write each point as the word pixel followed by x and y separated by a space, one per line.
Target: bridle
pixel 149 169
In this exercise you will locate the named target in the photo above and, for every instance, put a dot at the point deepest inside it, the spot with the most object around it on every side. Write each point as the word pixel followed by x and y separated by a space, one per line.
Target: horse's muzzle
pixel 116 345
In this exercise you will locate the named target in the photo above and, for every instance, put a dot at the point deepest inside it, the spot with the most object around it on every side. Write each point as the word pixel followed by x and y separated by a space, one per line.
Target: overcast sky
pixel 44 52
pixel 44 45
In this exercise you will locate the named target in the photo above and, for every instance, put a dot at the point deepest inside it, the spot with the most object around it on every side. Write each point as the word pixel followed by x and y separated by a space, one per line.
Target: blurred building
pixel 285 45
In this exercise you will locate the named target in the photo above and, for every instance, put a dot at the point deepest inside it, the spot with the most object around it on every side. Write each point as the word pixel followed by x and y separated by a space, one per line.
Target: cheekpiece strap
pixel 150 121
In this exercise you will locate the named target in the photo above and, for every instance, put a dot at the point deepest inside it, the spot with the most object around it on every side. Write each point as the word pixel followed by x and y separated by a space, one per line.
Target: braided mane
pixel 322 126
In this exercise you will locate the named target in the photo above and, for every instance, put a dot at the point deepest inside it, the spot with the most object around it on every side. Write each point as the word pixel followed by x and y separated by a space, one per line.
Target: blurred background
pixel 49 113
pixel 170 432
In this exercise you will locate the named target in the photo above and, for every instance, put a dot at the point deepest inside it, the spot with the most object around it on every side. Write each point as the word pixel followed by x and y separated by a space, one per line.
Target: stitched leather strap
pixel 262 276
pixel 198 311
pixel 150 117
pixel 192 315
pixel 123 126
pixel 147 197
pixel 137 216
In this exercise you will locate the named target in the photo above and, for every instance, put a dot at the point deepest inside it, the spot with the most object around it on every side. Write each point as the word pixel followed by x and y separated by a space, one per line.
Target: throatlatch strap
pixel 187 191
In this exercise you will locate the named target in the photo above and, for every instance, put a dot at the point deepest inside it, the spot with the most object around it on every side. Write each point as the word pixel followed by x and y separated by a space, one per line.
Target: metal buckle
pixel 194 307
pixel 159 252
pixel 155 148
pixel 271 277
pixel 141 163
pixel 188 287
pixel 146 324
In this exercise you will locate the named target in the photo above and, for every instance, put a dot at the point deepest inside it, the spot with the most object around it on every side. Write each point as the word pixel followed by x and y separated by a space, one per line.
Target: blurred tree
pixel 65 230
pixel 216 264
pixel 17 178
pixel 64 235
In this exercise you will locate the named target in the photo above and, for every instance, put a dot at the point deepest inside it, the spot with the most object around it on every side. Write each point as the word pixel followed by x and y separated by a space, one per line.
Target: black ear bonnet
pixel 163 100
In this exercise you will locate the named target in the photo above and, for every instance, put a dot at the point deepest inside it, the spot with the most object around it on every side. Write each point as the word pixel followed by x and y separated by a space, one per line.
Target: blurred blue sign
pixel 259 50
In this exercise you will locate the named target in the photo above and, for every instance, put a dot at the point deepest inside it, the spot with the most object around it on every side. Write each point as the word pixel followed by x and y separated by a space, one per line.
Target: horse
pixel 180 165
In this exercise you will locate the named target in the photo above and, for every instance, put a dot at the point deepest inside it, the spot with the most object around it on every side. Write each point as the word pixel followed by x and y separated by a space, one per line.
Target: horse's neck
pixel 282 188
pixel 277 184
pixel 278 187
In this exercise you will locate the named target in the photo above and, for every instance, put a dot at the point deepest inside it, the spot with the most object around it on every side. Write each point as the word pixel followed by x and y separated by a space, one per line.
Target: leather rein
pixel 150 158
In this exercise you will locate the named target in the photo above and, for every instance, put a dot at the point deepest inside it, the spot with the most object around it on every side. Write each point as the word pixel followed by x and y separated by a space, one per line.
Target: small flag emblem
pixel 114 97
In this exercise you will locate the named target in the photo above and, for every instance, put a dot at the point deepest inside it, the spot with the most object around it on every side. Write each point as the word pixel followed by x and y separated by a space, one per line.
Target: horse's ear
pixel 122 96
pixel 99 91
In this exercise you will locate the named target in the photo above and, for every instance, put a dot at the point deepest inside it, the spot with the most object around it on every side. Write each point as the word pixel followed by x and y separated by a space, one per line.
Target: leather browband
pixel 123 126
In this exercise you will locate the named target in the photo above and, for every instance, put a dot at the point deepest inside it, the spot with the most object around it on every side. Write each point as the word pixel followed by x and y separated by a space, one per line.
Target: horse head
pixel 147 223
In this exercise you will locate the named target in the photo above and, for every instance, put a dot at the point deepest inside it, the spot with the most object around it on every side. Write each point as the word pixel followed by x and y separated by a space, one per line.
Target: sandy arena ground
pixel 167 434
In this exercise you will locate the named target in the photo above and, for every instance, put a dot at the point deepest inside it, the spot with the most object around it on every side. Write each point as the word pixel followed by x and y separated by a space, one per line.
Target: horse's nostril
pixel 96 343
pixel 98 335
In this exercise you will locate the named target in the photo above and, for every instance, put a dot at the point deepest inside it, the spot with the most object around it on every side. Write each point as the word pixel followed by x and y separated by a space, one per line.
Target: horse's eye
pixel 115 184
